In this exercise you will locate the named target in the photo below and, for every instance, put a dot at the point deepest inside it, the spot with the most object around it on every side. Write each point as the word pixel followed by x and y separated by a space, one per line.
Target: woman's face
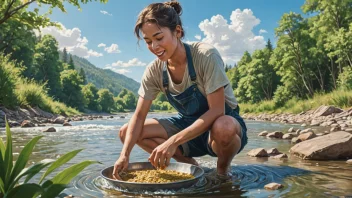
pixel 160 40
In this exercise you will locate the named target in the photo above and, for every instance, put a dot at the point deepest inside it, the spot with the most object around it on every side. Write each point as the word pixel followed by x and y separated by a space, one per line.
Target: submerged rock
pixel 51 129
pixel 275 134
pixel 273 151
pixel 264 133
pixel 280 156
pixel 332 146
pixel 306 136
pixel 273 186
pixel 27 123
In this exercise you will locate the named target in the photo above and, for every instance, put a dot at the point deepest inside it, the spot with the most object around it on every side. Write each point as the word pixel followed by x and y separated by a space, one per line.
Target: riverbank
pixel 34 116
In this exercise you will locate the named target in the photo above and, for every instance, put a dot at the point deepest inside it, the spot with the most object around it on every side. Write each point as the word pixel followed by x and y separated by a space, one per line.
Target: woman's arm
pixel 135 125
pixel 161 155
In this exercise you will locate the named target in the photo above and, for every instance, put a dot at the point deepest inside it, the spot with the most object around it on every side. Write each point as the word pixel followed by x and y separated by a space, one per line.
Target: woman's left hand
pixel 161 155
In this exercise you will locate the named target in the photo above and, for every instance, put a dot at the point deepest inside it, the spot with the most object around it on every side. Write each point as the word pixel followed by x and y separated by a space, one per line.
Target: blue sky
pixel 237 26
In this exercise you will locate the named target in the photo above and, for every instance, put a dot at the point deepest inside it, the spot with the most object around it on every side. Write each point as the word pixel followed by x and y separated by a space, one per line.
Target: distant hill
pixel 105 78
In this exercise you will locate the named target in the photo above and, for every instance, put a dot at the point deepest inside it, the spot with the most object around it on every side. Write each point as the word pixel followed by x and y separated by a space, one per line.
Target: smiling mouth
pixel 160 53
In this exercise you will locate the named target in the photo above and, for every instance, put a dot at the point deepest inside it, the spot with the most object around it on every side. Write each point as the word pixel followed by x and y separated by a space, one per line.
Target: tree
pixel 90 94
pixel 122 93
pixel 16 10
pixel 130 100
pixel 46 65
pixel 83 75
pixel 106 100
pixel 65 56
pixel 71 65
pixel 71 88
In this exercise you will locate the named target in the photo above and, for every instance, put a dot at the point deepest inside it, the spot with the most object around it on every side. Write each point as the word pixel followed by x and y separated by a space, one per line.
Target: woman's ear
pixel 178 31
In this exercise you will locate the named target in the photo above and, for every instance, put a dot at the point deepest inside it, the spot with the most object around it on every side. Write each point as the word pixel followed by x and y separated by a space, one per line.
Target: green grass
pixel 30 94
pixel 338 98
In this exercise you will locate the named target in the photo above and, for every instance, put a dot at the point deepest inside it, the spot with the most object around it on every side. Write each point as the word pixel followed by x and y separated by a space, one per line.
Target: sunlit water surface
pixel 99 140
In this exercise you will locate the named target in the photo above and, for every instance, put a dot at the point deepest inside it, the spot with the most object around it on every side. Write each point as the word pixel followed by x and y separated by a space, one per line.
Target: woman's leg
pixel 153 135
pixel 225 141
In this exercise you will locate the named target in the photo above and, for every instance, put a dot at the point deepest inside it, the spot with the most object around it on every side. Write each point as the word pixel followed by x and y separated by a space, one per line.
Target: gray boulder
pixel 332 146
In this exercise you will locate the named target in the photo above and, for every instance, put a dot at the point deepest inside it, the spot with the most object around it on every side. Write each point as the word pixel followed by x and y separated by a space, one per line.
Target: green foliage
pixel 46 65
pixel 122 93
pixel 64 55
pixel 71 64
pixel 16 10
pixel 130 100
pixel 71 88
pixel 106 100
pixel 83 76
pixel 9 77
pixel 90 94
pixel 11 174
pixel 345 79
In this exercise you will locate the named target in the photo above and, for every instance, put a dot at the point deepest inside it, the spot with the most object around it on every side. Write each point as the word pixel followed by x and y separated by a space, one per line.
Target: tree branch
pixel 9 14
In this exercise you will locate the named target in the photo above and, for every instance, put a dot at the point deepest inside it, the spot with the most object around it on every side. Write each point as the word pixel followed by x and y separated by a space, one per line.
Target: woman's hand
pixel 120 165
pixel 161 155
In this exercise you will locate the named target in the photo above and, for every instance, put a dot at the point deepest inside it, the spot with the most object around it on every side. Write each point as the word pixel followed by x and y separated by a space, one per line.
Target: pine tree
pixel 64 58
pixel 83 75
pixel 71 65
pixel 269 46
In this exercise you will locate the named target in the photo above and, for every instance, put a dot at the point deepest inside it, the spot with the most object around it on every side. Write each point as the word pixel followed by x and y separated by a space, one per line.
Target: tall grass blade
pixel 8 157
pixel 25 190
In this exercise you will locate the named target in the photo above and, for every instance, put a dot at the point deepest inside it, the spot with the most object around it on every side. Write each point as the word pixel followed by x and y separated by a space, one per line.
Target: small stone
pixel 306 136
pixel 69 196
pixel 259 152
pixel 320 134
pixel 280 156
pixel 348 130
pixel 67 124
pixel 27 123
pixel 304 124
pixel 295 140
pixel 288 136
pixel 349 161
pixel 51 129
pixel 275 134
pixel 273 186
pixel 111 116
pixel 290 130
pixel 273 151
pixel 263 133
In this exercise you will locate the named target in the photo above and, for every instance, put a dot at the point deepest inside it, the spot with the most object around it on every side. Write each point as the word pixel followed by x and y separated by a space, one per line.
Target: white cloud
pixel 232 38
pixel 120 71
pixel 102 45
pixel 114 48
pixel 71 39
pixel 198 37
pixel 262 31
pixel 130 63
pixel 105 12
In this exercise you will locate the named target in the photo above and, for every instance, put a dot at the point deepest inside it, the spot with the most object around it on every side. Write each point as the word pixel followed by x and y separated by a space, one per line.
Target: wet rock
pixel 288 136
pixel 334 129
pixel 295 140
pixel 111 116
pixel 334 125
pixel 67 124
pixel 27 123
pixel 59 120
pixel 51 129
pixel 69 196
pixel 13 123
pixel 306 136
pixel 273 151
pixel 259 152
pixel 263 133
pixel 275 134
pixel 328 147
pixel 122 117
pixel 280 156
pixel 304 124
pixel 326 110
pixel 348 130
pixel 290 130
pixel 349 161
pixel 306 131
pixel 315 123
pixel 100 116
pixel 273 186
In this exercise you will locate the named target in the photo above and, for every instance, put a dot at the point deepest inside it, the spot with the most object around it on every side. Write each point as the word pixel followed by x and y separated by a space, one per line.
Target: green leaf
pixel 2 148
pixel 23 158
pixel 36 168
pixel 8 157
pixel 2 187
pixel 2 168
pixel 25 190
pixel 66 175
pixel 54 190
pixel 59 162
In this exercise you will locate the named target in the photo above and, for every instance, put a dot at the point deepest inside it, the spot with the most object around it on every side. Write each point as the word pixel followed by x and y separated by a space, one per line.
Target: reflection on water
pixel 99 140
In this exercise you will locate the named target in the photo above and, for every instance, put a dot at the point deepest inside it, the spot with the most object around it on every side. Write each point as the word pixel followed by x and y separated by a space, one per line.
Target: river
pixel 99 140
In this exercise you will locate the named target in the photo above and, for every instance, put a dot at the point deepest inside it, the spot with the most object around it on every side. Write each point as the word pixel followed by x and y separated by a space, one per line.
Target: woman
pixel 193 79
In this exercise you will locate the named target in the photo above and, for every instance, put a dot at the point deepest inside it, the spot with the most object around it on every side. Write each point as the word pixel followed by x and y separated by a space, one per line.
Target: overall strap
pixel 191 70
pixel 165 76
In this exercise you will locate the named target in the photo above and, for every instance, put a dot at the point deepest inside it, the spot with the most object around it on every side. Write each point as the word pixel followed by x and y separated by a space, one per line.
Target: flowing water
pixel 99 140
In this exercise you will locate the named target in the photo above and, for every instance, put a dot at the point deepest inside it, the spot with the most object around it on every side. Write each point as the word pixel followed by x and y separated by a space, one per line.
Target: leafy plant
pixel 11 174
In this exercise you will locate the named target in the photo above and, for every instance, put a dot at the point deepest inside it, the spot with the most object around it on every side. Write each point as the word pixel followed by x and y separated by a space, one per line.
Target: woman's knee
pixel 122 132
pixel 225 129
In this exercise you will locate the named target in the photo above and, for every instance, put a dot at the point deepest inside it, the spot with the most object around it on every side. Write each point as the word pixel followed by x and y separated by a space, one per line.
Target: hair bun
pixel 176 5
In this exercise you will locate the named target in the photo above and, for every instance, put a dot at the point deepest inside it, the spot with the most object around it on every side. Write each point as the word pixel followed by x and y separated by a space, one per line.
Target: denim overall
pixel 191 104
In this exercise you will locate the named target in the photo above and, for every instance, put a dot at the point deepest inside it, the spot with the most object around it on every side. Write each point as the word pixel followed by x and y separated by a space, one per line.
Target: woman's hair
pixel 163 14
